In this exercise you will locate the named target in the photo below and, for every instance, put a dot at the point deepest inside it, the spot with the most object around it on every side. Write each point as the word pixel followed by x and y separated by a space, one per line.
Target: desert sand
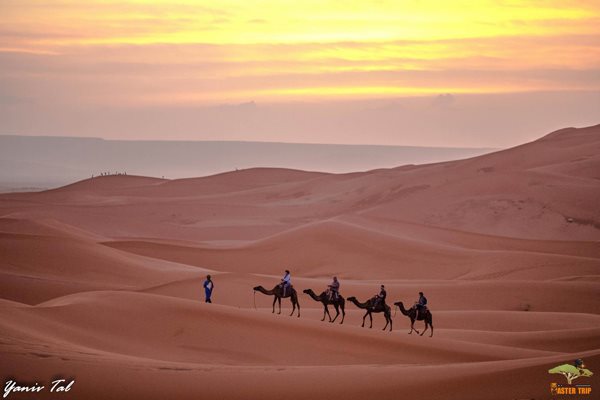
pixel 102 280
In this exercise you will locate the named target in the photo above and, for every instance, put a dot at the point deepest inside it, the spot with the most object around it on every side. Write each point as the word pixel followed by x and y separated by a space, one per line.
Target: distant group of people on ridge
pixel 332 296
pixel 110 173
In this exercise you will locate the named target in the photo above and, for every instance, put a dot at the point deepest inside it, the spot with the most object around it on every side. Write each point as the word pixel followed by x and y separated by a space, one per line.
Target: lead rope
pixel 395 309
pixel 255 299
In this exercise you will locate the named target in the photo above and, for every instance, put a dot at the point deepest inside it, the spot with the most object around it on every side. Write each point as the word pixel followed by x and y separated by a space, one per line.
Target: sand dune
pixel 51 262
pixel 353 253
pixel 193 332
pixel 101 280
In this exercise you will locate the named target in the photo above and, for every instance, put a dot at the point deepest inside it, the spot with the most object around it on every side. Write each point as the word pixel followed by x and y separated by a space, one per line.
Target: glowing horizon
pixel 134 68
pixel 311 41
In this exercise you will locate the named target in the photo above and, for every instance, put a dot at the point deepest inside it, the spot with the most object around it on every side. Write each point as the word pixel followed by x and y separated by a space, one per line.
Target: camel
pixel 324 298
pixel 412 313
pixel 369 306
pixel 277 291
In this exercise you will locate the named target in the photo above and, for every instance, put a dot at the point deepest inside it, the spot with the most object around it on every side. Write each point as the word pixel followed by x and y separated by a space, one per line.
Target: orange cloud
pixel 200 51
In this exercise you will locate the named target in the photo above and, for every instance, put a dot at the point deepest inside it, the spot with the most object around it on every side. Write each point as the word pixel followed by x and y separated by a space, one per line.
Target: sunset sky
pixel 453 73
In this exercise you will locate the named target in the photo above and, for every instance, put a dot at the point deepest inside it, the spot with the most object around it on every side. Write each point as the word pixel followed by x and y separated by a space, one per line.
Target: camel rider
pixel 286 282
pixel 380 297
pixel 421 304
pixel 333 289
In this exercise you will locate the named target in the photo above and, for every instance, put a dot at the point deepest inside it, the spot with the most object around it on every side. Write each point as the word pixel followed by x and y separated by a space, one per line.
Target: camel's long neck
pixel 265 291
pixel 402 309
pixel 359 304
pixel 313 295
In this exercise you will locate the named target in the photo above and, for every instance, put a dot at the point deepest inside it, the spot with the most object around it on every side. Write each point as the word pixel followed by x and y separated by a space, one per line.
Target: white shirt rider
pixel 287 278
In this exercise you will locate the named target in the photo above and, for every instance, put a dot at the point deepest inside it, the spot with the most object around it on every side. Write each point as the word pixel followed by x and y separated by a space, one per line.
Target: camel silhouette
pixel 412 314
pixel 277 291
pixel 324 298
pixel 369 305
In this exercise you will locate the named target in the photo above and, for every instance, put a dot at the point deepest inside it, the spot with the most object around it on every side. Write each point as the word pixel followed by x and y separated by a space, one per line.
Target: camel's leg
pixel 425 327
pixel 364 316
pixel 279 304
pixel 337 312
pixel 388 320
pixel 413 326
pixel 371 317
pixel 274 301
pixel 343 315
pixel 295 303
pixel 325 312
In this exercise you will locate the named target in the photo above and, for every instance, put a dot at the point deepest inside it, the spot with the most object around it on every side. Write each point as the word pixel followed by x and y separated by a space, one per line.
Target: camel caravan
pixel 376 304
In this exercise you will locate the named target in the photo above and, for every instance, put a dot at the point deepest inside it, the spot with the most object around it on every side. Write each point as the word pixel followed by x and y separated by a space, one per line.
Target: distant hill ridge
pixel 48 162
pixel 547 189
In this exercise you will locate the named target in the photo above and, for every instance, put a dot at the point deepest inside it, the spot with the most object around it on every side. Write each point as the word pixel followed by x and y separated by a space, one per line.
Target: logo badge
pixel 571 372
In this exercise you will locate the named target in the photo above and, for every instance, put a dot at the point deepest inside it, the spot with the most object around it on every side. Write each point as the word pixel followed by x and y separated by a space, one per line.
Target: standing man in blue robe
pixel 208 288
